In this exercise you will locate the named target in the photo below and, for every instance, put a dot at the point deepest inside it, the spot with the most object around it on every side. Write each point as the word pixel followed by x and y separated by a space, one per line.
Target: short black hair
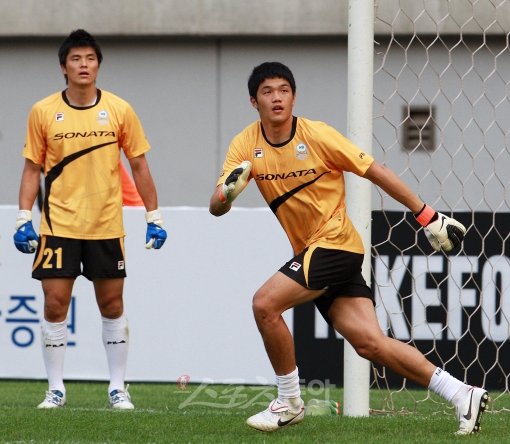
pixel 78 39
pixel 269 70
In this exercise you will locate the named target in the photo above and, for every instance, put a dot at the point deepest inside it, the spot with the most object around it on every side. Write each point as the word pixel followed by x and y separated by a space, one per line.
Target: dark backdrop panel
pixel 474 356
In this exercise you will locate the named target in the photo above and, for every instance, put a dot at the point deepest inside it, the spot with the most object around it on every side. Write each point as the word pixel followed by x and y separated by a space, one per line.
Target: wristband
pixel 153 216
pixel 425 215
pixel 220 194
pixel 23 217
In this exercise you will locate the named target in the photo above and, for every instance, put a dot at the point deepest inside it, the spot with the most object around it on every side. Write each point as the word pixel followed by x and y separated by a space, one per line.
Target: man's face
pixel 274 101
pixel 81 66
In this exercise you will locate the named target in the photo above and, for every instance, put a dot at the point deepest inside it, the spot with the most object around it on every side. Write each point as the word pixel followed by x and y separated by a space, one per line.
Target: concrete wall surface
pixel 192 98
pixel 175 17
pixel 245 17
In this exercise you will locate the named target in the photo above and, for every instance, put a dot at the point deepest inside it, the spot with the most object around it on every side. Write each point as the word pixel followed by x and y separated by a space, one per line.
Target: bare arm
pixel 29 186
pixel 144 182
pixel 389 182
pixel 216 206
pixel 443 232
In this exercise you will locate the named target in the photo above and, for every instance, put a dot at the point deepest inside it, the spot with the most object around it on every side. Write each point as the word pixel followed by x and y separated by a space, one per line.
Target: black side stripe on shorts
pixel 281 199
pixel 57 170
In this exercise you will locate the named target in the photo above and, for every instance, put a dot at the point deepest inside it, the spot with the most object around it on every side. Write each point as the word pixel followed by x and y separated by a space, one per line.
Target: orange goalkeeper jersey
pixel 79 150
pixel 302 181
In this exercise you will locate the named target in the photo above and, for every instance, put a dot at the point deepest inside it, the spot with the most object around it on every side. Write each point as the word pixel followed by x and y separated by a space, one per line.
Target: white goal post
pixel 432 102
pixel 360 56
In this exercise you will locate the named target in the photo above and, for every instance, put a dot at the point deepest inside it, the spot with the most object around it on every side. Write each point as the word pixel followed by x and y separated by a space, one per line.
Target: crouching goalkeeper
pixel 298 166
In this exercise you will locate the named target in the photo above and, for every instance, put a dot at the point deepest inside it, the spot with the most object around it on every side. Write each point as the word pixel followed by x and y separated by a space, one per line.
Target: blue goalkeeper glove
pixel 156 234
pixel 26 239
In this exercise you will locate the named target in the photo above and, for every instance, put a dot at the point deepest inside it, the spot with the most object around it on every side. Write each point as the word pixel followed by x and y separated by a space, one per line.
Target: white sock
pixel 288 389
pixel 445 385
pixel 116 344
pixel 54 344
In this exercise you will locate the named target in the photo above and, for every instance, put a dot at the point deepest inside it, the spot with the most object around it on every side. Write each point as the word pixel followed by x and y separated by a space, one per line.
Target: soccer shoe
pixel 120 399
pixel 469 412
pixel 276 416
pixel 53 400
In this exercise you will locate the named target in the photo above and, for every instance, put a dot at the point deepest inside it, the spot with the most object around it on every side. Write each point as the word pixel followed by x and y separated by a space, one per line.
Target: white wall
pixel 188 304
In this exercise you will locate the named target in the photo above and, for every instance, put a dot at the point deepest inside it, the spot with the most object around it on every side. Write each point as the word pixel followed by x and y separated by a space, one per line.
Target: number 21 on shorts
pixel 52 258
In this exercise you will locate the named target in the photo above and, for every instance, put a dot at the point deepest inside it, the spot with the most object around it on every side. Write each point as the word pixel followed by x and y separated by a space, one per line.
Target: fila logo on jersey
pixel 295 266
pixel 258 153
pixel 120 265
pixel 59 117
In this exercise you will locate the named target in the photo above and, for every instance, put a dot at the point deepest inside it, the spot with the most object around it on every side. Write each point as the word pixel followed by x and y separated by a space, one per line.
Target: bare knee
pixel 264 312
pixel 54 309
pixel 369 347
pixel 111 307
pixel 109 297
pixel 57 296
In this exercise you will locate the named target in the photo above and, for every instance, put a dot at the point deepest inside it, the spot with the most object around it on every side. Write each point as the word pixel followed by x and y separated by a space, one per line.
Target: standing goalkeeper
pixel 298 166
pixel 76 136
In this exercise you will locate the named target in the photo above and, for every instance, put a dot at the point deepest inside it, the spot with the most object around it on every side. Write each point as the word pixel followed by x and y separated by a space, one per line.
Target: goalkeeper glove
pixel 443 232
pixel 235 183
pixel 156 234
pixel 26 239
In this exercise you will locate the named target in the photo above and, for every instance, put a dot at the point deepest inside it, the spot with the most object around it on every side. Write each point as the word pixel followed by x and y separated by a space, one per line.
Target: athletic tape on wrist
pixel 153 216
pixel 22 218
pixel 24 215
pixel 425 215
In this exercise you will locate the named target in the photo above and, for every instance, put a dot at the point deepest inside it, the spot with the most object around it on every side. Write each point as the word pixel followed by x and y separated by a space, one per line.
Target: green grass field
pixel 216 414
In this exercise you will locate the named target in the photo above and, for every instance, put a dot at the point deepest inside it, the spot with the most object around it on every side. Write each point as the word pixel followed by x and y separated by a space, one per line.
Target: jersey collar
pixel 292 133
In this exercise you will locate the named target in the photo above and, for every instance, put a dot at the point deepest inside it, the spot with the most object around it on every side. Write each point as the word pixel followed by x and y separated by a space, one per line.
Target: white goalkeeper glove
pixel 235 183
pixel 443 232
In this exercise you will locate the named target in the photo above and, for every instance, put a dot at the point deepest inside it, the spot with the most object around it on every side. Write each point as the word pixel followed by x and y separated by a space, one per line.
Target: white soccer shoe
pixel 469 412
pixel 120 399
pixel 276 416
pixel 54 399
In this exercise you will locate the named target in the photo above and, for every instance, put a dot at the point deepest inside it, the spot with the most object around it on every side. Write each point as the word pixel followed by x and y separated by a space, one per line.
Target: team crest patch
pixel 295 266
pixel 59 117
pixel 301 151
pixel 259 152
pixel 102 117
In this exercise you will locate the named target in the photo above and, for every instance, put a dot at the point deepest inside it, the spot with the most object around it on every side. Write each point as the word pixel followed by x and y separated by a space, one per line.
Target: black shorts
pixel 336 271
pixel 64 257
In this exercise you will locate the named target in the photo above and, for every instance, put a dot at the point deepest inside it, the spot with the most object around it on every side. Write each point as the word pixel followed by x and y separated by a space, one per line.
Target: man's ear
pixel 254 103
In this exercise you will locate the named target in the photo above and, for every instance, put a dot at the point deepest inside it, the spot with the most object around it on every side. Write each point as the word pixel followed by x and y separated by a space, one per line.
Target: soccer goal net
pixel 442 122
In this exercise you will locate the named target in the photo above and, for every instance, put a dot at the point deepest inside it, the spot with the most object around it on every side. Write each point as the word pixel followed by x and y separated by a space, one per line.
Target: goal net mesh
pixel 442 123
